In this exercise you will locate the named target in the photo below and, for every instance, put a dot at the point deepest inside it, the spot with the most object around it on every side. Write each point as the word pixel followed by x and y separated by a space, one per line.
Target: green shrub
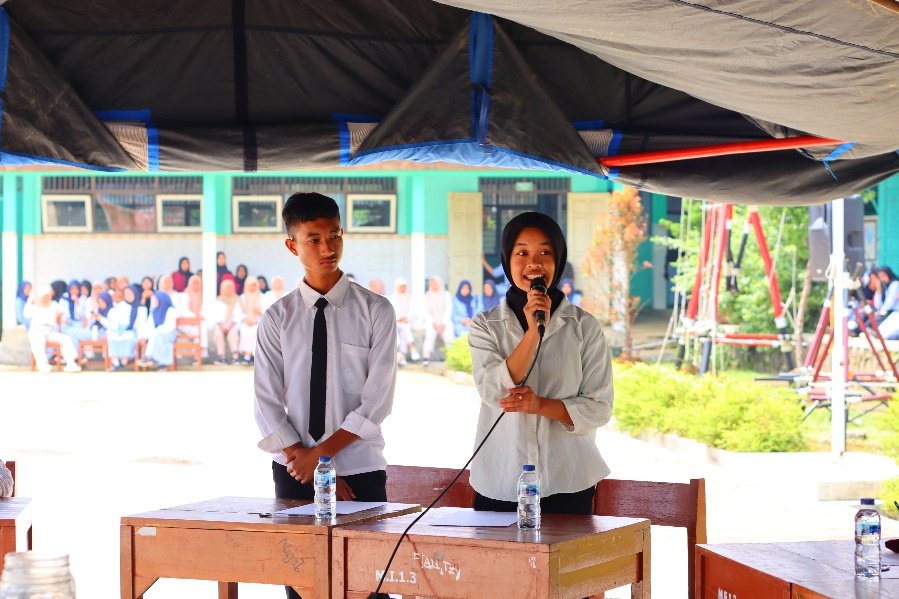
pixel 889 424
pixel 722 411
pixel 458 355
pixel 890 494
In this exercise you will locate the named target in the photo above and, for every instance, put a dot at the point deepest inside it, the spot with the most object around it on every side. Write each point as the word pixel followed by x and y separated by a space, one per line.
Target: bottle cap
pixel 868 501
pixel 324 459
pixel 528 468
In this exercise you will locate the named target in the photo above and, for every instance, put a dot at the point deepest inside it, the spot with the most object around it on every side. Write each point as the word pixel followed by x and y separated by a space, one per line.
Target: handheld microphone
pixel 540 285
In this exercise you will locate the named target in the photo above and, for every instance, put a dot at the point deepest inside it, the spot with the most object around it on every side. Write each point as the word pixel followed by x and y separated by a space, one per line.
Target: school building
pixel 398 223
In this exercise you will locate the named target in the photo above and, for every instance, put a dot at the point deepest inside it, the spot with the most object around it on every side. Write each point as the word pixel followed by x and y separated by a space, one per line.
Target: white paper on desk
pixel 472 518
pixel 343 507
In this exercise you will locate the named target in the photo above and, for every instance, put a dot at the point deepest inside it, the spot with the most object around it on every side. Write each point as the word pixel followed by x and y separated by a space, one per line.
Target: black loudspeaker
pixel 855 233
pixel 819 240
pixel 820 232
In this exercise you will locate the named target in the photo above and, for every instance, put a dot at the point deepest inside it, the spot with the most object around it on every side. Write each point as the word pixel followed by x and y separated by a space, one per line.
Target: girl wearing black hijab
pixel 551 419
pixel 181 276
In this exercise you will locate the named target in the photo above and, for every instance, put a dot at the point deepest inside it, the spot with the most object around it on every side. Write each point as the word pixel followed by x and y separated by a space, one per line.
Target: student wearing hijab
pixel 251 303
pixel 463 308
pixel 102 306
pixel 226 322
pixel 145 295
pixel 44 315
pixel 551 419
pixel 401 301
pixel 221 270
pixel 438 314
pixel 59 289
pixel 181 276
pixel 566 286
pixel 489 298
pixel 74 314
pixel 122 323
pixel 240 278
pixel 277 291
pixel 22 294
pixel 190 305
pixel 263 285
pixel 161 333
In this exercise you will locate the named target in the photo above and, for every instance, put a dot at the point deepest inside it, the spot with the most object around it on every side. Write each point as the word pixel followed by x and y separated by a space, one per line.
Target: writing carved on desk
pixel 438 563
pixel 289 556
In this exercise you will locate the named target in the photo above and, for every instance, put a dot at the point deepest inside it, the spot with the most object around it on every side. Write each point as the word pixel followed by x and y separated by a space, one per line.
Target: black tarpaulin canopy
pixel 293 84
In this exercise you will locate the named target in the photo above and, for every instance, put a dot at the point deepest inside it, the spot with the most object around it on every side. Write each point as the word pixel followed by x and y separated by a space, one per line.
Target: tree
pixel 611 262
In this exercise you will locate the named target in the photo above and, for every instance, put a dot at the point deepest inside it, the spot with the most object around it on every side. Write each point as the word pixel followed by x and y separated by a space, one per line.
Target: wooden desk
pixel 228 541
pixel 569 558
pixel 15 525
pixel 807 570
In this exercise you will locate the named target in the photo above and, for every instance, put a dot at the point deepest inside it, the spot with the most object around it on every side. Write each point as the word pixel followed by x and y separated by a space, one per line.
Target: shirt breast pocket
pixel 353 368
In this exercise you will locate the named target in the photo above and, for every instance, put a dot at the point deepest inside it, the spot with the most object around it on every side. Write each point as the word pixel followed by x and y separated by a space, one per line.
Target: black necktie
pixel 318 378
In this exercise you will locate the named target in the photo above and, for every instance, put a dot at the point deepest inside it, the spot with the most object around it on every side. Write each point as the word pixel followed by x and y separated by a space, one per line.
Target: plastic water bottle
pixel 867 540
pixel 528 498
pixel 325 481
pixel 28 575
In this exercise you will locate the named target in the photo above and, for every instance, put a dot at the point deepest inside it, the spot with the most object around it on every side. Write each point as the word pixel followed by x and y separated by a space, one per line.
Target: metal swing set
pixel 695 324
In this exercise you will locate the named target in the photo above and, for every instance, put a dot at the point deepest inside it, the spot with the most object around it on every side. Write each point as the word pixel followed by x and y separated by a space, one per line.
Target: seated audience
pixel 181 276
pixel 22 294
pixel 402 306
pixel 277 291
pixel 463 308
pixel 122 323
pixel 438 317
pixel 190 305
pixel 225 323
pixel 161 333
pixel 566 286
pixel 490 298
pixel 45 318
pixel 251 304
pixel 377 285
pixel 240 278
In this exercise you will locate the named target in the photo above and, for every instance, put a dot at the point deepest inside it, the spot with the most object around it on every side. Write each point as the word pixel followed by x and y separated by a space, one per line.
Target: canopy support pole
pixel 839 354
pixel 740 147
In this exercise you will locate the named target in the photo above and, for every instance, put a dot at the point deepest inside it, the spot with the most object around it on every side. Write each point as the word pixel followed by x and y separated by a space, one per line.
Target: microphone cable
pixel 442 493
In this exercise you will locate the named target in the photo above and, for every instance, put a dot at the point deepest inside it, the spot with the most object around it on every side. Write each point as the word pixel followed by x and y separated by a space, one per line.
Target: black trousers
pixel 580 502
pixel 368 486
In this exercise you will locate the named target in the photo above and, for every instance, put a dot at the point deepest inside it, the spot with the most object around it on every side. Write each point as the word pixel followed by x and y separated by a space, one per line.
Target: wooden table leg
pixel 227 590
pixel 132 586
pixel 642 589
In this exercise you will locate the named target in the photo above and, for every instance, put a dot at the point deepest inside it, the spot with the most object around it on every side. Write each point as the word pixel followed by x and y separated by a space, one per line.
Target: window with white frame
pixel 66 213
pixel 371 213
pixel 257 213
pixel 179 213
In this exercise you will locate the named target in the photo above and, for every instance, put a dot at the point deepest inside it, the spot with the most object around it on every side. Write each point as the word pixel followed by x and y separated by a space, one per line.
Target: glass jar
pixel 29 575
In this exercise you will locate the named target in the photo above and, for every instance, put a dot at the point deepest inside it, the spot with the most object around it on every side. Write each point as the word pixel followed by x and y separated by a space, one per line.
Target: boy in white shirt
pixel 325 365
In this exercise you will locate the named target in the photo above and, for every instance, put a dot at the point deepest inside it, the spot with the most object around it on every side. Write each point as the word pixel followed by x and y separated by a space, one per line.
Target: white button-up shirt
pixel 575 367
pixel 361 372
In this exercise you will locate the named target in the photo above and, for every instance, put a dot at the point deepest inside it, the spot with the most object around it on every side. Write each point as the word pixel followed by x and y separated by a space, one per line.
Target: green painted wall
pixel 888 222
